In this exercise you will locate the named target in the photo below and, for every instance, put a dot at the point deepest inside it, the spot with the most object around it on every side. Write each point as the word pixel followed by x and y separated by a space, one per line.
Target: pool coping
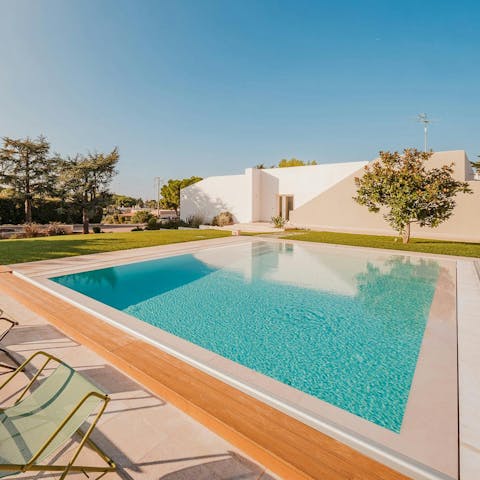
pixel 38 271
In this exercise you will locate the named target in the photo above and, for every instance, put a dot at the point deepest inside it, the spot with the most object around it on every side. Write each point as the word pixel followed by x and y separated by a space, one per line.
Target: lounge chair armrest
pixel 40 353
pixel 13 323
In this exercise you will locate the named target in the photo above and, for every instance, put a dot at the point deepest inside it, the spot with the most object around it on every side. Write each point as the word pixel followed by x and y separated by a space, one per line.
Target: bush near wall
pixel 223 219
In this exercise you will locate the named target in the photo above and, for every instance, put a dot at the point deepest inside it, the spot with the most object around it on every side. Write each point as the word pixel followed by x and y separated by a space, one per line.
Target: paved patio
pixel 147 437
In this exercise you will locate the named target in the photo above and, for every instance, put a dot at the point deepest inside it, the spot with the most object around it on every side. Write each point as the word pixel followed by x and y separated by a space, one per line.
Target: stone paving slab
pixel 469 369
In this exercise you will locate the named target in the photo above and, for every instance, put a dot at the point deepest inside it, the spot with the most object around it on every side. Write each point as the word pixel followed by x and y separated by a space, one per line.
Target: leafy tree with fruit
pixel 408 191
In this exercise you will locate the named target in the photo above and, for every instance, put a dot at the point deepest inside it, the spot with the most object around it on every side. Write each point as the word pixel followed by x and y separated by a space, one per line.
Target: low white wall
pixel 207 198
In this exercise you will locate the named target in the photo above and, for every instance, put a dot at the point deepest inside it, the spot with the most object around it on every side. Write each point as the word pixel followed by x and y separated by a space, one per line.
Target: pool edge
pixel 425 472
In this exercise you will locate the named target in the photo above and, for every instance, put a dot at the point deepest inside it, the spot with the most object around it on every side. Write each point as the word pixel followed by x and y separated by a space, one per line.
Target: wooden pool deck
pixel 281 443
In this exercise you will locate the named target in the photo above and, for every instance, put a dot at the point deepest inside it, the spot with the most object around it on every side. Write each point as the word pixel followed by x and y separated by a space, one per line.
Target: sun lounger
pixel 46 418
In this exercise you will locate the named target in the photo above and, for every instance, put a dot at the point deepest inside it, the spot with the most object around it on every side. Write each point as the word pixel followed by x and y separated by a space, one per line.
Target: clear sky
pixel 205 88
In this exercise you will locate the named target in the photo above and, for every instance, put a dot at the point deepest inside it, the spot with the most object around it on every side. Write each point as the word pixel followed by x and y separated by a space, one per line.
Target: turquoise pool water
pixel 345 328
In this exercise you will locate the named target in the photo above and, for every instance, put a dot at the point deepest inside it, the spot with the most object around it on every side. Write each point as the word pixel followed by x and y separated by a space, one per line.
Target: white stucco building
pixel 320 197
pixel 259 194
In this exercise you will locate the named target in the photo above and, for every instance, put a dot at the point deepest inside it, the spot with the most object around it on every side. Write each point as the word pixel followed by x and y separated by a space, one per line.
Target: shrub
pixel 113 219
pixel 152 224
pixel 56 228
pixel 137 229
pixel 32 230
pixel 170 224
pixel 97 229
pixel 194 221
pixel 278 221
pixel 142 216
pixel 222 219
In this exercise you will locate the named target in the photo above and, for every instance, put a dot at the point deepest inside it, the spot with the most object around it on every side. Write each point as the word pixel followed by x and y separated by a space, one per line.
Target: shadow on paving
pixel 234 466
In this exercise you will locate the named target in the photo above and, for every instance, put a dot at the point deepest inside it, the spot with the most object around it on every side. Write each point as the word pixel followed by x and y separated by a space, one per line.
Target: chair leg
pixel 12 358
pixel 8 368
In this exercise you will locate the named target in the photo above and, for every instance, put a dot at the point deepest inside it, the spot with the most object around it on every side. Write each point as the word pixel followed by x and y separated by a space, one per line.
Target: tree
pixel 27 169
pixel 125 201
pixel 171 192
pixel 85 181
pixel 410 193
pixel 150 204
pixel 294 162
pixel 141 216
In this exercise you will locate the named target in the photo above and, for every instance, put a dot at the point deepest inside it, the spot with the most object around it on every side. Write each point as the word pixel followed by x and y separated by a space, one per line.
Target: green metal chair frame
pixel 3 334
pixel 31 465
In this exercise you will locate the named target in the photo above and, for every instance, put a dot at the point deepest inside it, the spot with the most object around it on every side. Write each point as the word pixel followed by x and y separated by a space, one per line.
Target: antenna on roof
pixel 422 118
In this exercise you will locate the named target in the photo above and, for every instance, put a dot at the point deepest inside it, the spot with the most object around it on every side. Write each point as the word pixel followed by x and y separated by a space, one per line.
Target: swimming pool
pixel 343 327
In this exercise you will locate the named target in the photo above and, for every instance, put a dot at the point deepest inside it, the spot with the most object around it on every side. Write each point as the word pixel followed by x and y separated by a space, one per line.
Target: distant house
pixel 319 197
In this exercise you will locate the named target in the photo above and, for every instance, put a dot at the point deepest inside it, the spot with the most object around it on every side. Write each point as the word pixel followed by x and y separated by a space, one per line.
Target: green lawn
pixel 463 249
pixel 43 248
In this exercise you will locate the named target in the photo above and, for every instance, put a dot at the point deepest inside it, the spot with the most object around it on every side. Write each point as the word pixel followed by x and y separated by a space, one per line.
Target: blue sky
pixel 212 87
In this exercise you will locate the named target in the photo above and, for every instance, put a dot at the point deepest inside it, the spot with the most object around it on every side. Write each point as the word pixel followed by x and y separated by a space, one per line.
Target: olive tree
pixel 408 191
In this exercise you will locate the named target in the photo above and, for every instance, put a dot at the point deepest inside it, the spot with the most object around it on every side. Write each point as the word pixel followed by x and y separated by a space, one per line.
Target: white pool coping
pixel 331 420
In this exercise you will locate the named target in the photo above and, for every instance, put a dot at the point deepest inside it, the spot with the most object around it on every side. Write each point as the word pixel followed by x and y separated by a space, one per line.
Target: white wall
pixel 304 183
pixel 253 196
pixel 232 193
pixel 256 175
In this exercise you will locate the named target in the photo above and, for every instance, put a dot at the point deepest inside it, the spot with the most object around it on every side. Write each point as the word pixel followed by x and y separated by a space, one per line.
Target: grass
pixel 443 247
pixel 44 248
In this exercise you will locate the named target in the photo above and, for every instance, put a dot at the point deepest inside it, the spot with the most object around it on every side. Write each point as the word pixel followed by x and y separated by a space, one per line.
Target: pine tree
pixel 27 169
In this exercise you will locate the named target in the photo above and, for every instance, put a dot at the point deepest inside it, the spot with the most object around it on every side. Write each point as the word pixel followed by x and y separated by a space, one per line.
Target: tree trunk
pixel 406 233
pixel 28 209
pixel 85 220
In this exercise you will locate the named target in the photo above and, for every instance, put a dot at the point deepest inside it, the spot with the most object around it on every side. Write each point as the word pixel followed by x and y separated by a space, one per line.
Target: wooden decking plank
pixel 237 406
pixel 240 411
